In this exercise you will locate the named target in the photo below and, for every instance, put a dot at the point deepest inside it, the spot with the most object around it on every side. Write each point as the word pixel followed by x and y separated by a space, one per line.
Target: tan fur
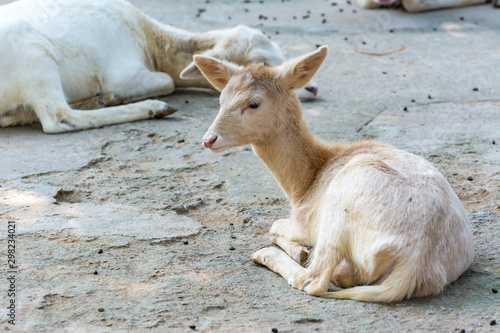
pixel 375 216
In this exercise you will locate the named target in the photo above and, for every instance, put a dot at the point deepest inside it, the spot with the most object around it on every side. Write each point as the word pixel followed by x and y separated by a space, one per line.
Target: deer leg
pixel 287 235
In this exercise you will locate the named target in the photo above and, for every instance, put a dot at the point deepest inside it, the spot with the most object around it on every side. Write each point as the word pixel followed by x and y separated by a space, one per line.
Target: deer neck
pixel 294 156
pixel 170 50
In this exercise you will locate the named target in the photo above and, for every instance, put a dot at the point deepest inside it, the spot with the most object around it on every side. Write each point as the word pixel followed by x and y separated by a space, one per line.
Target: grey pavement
pixel 176 224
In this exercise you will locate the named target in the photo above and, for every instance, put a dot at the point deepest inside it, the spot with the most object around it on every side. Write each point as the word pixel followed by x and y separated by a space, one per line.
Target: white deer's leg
pixel 141 85
pixel 97 102
pixel 57 118
pixel 289 236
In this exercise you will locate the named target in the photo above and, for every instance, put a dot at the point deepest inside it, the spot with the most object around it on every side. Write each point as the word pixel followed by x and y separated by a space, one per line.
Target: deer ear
pixel 191 72
pixel 297 73
pixel 216 71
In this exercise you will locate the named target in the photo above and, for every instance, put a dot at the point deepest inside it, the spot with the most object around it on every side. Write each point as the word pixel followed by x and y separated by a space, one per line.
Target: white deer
pixel 424 5
pixel 60 57
pixel 383 223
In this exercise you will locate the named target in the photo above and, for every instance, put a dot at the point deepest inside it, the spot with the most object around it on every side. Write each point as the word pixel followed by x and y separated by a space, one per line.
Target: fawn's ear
pixel 216 71
pixel 297 73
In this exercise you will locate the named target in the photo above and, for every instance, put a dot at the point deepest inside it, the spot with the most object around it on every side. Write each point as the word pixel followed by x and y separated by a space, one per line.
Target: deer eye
pixel 254 105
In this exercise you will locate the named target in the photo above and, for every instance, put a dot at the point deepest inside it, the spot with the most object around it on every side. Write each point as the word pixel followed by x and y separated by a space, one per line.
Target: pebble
pixel 333 4
pixel 100 309
pixel 274 330
pixel 363 42
pixel 95 272
pixel 494 290
pixel 181 141
pixel 475 89
pixel 187 102
pixel 462 18
pixel 324 21
pixel 493 322
pixel 193 327
pixel 413 101
pixel 341 10
pixel 232 248
pixel 470 178
pixel 493 142
pixel 405 109
pixel 185 242
pixel 100 251
pixel 429 97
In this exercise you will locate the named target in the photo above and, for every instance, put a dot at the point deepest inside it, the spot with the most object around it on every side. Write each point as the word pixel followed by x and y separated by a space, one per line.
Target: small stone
pixel 323 21
pixel 475 89
pixel 274 330
pixel 185 242
pixel 494 290
pixel 100 251
pixel 187 102
pixel 322 14
pixel 405 109
pixel 181 141
pixel 413 101
pixel 345 38
pixel 493 322
pixel 193 327
pixel 96 272
pixel 305 17
pixel 354 11
pixel 229 17
pixel 333 4
pixel 462 330
pixel 391 31
pixel 462 18
pixel 277 32
pixel 434 29
pixel 100 309
pixel 295 17
pixel 363 42
pixel 384 73
pixel 429 97
pixel 493 142
pixel 470 178
pixel 232 248
pixel 341 10
pixel 318 45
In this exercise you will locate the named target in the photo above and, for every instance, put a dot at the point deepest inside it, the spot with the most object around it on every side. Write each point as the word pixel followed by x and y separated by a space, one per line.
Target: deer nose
pixel 312 90
pixel 209 142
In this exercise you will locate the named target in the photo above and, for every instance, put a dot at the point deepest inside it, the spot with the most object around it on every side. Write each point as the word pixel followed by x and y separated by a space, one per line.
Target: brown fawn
pixel 383 224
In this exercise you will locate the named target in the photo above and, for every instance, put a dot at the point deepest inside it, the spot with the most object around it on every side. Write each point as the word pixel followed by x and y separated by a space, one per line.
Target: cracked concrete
pixel 136 227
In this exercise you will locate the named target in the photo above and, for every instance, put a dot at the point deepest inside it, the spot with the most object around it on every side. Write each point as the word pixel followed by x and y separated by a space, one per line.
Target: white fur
pixel 63 56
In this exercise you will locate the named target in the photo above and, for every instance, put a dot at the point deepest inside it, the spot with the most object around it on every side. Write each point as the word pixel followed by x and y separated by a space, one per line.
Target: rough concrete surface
pixel 177 224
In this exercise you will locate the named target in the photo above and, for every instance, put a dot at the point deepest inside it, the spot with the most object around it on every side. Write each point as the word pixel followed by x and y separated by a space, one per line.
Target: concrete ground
pixel 176 224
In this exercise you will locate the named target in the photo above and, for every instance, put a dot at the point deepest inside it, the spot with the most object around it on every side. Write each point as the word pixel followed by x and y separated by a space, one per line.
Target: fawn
pixel 383 223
